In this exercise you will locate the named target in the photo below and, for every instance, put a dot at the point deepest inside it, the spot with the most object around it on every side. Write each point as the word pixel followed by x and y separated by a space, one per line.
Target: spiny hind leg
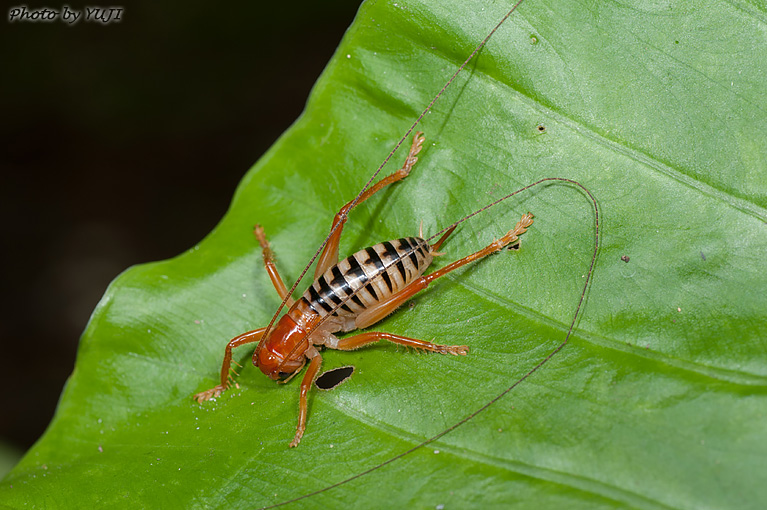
pixel 226 378
pixel 512 236
pixel 329 255
pixel 357 341
pixel 387 306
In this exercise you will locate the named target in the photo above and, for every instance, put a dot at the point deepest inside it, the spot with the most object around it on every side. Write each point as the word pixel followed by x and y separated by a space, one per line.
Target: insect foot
pixel 415 148
pixel 209 394
pixel 518 230
pixel 455 350
pixel 297 439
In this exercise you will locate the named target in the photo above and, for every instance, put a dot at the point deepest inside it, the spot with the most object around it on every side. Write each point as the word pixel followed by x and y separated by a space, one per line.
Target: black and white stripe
pixel 368 277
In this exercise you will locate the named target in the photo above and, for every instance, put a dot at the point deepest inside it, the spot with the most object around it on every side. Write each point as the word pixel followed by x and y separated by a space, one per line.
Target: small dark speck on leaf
pixel 703 256
pixel 541 128
pixel 334 377
pixel 625 258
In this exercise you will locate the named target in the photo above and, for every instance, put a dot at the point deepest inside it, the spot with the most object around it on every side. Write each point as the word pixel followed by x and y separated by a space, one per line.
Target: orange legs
pixel 258 231
pixel 251 336
pixel 384 308
pixel 329 255
pixel 226 378
pixel 357 341
pixel 303 406
pixel 510 236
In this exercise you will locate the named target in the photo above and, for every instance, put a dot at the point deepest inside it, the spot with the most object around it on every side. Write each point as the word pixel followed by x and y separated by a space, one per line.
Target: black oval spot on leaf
pixel 332 378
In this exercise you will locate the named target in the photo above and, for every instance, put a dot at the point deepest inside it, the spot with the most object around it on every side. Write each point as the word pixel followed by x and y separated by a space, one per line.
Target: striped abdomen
pixel 368 277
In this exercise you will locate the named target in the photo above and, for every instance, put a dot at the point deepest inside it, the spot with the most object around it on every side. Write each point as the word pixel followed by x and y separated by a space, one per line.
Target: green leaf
pixel 658 401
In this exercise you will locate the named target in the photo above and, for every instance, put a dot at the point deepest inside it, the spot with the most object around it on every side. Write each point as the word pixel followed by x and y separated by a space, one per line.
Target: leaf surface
pixel 658 401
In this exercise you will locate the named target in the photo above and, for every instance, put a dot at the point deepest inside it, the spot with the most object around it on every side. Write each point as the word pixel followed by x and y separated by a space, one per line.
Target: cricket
pixel 365 287
pixel 352 294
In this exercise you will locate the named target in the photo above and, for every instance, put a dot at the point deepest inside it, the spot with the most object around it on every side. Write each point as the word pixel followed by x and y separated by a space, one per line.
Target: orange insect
pixel 352 294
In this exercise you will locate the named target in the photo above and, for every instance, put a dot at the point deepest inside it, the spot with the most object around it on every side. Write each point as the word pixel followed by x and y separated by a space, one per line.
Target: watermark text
pixel 103 15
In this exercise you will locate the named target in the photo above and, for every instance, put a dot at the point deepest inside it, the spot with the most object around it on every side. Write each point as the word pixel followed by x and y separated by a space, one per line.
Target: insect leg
pixel 245 338
pixel 357 341
pixel 510 236
pixel 384 308
pixel 329 255
pixel 258 231
pixel 303 407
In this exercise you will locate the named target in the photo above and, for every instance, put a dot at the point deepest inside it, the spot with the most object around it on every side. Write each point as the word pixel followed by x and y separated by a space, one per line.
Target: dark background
pixel 122 144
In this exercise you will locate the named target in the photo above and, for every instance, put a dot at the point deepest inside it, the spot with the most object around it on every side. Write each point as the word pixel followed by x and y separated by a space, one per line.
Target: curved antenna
pixel 380 167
